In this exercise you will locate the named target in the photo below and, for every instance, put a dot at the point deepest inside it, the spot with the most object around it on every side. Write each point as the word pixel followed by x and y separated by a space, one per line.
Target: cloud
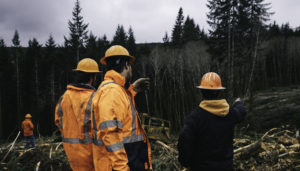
pixel 150 19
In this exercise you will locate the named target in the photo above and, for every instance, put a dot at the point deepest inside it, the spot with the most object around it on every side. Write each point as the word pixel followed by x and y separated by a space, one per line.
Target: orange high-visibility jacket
pixel 27 127
pixel 120 142
pixel 72 116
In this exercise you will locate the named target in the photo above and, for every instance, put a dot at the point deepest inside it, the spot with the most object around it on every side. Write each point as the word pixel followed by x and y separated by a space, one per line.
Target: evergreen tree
pixel 131 42
pixel 220 20
pixel 16 55
pixel 274 30
pixel 5 66
pixel 51 59
pixel 166 39
pixel 16 40
pixel 102 45
pixel 178 28
pixel 91 46
pixel 297 31
pixel 190 31
pixel 120 37
pixel 78 31
pixel 50 44
pixel 34 56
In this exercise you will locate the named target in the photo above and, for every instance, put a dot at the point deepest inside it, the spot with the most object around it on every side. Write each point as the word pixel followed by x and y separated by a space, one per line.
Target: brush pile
pixel 277 149
pixel 47 155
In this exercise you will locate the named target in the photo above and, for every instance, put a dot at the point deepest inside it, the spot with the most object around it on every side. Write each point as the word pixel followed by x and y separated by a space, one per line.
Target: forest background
pixel 248 52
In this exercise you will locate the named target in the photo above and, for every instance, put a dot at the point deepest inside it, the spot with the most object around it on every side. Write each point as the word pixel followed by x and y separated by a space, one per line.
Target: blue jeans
pixel 29 139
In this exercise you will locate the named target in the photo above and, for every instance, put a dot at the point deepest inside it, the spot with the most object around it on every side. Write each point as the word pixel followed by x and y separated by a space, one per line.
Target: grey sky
pixel 150 19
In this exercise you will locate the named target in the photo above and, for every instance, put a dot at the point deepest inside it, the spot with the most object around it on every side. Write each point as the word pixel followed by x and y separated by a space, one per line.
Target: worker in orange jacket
pixel 120 142
pixel 72 116
pixel 28 127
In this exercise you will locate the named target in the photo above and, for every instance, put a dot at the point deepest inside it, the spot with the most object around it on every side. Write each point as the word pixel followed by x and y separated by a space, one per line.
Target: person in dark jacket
pixel 206 140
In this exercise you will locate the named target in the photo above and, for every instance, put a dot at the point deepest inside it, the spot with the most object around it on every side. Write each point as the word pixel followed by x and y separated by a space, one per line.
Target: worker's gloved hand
pixel 141 84
pixel 237 100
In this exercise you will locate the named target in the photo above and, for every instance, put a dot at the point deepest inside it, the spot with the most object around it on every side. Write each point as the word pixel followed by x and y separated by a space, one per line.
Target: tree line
pixel 248 53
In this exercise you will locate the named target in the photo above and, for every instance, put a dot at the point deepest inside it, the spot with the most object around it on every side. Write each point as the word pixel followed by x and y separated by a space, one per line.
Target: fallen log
pixel 252 147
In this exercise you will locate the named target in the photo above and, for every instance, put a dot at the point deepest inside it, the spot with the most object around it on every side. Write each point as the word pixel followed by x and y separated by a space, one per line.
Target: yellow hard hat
pixel 87 65
pixel 211 81
pixel 28 116
pixel 116 50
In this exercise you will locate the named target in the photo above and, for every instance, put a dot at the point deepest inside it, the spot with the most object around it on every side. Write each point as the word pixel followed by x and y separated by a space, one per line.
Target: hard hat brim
pixel 103 62
pixel 87 71
pixel 207 88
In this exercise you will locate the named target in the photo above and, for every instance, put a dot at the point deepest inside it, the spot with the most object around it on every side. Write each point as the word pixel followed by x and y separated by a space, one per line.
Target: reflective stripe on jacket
pixel 120 142
pixel 27 127
pixel 72 116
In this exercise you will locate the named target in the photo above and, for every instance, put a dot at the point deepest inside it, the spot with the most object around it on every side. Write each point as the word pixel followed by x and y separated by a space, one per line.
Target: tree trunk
pixel 1 123
pixel 229 61
pixel 36 79
pixel 249 89
pixel 52 86
pixel 18 89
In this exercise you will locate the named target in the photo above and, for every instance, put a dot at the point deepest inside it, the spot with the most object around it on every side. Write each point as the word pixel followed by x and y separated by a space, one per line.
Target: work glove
pixel 237 100
pixel 141 84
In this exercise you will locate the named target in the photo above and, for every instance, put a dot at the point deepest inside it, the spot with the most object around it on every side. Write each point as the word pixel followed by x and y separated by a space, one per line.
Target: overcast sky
pixel 150 19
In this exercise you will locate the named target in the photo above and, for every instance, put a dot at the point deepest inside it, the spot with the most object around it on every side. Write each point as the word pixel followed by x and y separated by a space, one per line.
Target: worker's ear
pixel 127 65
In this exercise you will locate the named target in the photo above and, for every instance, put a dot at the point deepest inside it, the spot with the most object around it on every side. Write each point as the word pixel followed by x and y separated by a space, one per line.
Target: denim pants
pixel 29 139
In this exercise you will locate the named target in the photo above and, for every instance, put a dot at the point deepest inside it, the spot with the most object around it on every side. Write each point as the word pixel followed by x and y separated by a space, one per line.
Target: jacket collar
pixel 216 107
pixel 80 86
pixel 116 77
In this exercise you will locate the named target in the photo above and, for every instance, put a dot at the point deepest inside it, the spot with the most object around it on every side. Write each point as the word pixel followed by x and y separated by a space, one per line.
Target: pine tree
pixel 78 31
pixel 34 50
pixel 51 58
pixel 91 46
pixel 131 42
pixel 220 20
pixel 16 54
pixel 274 30
pixel 166 39
pixel 120 37
pixel 4 66
pixel 16 40
pixel 102 44
pixel 178 28
pixel 190 31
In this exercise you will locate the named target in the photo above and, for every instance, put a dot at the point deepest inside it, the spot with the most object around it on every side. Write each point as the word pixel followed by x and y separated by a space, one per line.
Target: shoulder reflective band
pixel 111 123
pixel 115 147
pixel 94 126
pixel 98 142
pixel 134 138
pixel 87 114
pixel 60 113
pixel 133 132
pixel 76 140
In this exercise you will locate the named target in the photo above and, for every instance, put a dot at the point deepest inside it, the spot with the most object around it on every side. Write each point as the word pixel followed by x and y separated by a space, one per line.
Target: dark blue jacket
pixel 206 140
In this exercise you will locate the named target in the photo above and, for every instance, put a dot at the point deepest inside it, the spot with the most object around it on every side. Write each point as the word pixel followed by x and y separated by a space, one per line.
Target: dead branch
pixel 50 153
pixel 57 146
pixel 37 166
pixel 11 147
pixel 166 146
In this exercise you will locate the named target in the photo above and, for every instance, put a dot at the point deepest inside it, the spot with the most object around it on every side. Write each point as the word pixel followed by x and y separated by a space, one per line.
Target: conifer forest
pixel 257 59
